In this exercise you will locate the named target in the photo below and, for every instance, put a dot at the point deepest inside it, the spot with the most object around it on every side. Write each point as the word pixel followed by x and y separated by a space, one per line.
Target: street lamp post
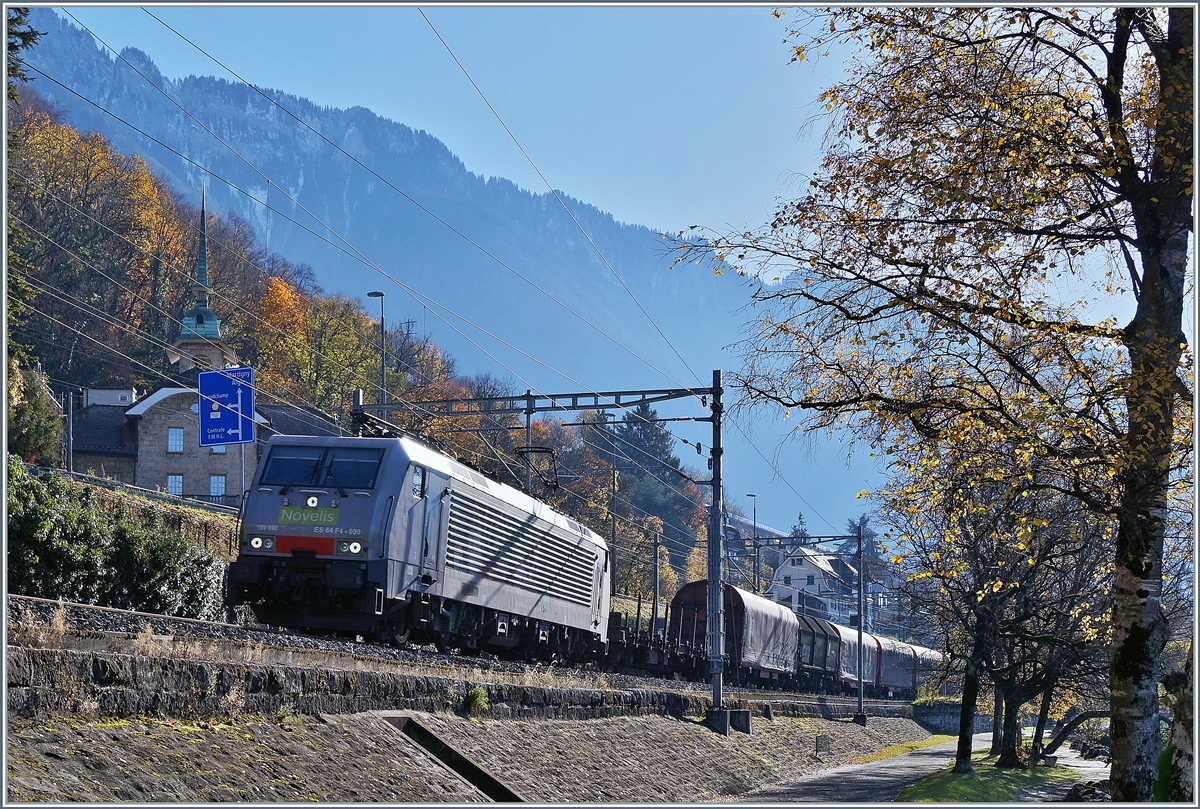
pixel 754 500
pixel 382 354
pixel 861 717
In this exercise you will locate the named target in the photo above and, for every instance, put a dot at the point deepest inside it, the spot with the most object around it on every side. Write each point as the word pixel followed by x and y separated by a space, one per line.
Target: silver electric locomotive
pixel 392 539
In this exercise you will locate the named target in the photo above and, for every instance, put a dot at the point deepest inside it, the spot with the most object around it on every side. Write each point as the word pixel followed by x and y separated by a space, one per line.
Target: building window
pixel 219 449
pixel 174 439
pixel 216 485
pixel 787 580
pixel 175 483
pixel 811 579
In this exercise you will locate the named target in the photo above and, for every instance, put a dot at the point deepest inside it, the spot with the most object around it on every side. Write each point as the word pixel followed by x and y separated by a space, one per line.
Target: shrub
pixel 476 701
pixel 65 542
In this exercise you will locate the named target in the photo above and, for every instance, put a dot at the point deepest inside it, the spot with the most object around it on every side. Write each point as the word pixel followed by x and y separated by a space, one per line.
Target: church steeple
pixel 199 342
pixel 201 286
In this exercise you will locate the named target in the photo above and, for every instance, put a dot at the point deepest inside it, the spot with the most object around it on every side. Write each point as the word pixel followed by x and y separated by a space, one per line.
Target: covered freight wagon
pixel 848 652
pixel 761 636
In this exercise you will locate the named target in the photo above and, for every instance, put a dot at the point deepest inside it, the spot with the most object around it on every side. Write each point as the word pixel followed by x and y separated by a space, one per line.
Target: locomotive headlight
pixel 268 542
pixel 256 542
pixel 344 547
pixel 355 547
pixel 312 501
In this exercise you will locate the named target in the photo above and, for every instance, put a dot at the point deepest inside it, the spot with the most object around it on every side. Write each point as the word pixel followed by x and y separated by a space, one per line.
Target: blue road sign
pixel 226 406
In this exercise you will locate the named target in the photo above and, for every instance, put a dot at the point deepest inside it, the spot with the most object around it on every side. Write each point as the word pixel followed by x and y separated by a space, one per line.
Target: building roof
pixel 159 395
pixel 100 429
pixel 818 560
pixel 746 527
pixel 293 420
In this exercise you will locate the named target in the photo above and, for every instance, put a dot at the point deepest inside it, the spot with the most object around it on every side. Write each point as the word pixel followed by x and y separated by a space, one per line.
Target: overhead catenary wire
pixel 152 370
pixel 614 436
pixel 153 338
pixel 172 268
pixel 104 316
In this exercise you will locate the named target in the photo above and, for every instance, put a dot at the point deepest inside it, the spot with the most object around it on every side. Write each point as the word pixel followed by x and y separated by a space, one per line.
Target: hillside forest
pixel 102 260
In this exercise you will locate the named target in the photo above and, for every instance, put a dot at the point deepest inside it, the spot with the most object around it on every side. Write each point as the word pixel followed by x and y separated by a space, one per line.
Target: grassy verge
pixel 987 785
pixel 899 749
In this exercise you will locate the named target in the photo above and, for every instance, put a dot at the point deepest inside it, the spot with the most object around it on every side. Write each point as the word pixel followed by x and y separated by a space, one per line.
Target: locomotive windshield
pixel 352 467
pixel 341 467
pixel 292 466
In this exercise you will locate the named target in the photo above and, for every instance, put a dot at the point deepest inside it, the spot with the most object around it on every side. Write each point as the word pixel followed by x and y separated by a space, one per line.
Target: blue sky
pixel 663 116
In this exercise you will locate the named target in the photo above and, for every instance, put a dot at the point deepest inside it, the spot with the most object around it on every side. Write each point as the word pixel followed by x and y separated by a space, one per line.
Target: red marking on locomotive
pixel 322 546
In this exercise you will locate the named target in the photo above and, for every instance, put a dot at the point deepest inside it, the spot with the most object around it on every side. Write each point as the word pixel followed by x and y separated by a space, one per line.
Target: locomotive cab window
pixel 292 466
pixel 418 481
pixel 352 468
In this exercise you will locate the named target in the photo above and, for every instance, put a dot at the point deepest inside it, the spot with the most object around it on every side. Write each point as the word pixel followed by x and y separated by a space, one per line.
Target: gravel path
pixel 874 782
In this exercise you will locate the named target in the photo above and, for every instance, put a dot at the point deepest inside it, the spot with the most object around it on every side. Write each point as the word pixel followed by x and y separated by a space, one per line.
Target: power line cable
pixel 420 297
pixel 774 467
pixel 558 197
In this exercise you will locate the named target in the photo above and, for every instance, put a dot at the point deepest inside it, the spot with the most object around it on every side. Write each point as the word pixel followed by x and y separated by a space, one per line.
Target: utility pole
pixel 70 430
pixel 612 501
pixel 382 353
pixel 716 552
pixel 860 718
pixel 528 442
pixel 754 500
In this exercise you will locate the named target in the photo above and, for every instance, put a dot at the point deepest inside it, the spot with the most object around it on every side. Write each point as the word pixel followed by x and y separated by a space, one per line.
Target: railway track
pixel 28 611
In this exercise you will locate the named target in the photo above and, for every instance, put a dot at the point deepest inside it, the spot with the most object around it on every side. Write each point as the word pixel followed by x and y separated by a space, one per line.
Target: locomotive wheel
pixel 442 641
pixel 399 638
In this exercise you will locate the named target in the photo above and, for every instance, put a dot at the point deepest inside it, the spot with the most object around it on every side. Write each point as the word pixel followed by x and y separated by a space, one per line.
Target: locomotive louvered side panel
pixel 484 540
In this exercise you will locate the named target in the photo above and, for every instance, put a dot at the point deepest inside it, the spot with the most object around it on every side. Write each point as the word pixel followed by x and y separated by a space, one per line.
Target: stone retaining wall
pixel 43 682
pixel 944 719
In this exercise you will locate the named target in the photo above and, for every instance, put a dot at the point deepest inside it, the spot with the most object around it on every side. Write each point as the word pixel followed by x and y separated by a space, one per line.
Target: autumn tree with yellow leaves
pixel 994 250
pixel 1017 578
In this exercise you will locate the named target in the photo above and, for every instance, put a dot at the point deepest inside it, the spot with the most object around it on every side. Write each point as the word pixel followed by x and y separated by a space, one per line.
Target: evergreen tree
pixel 646 444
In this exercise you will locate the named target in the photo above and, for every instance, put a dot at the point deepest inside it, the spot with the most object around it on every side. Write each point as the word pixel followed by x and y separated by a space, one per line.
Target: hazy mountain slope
pixel 530 232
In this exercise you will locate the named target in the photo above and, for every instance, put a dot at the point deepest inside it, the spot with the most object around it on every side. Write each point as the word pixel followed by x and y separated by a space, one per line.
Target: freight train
pixel 390 539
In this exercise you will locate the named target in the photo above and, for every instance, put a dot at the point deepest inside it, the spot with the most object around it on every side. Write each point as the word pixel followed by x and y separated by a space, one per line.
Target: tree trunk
pixel 1162 211
pixel 966 719
pixel 1043 714
pixel 997 723
pixel 1178 777
pixel 1011 739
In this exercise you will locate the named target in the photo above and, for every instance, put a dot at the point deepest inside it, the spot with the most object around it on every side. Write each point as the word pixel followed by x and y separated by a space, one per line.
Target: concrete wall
pixel 43 682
